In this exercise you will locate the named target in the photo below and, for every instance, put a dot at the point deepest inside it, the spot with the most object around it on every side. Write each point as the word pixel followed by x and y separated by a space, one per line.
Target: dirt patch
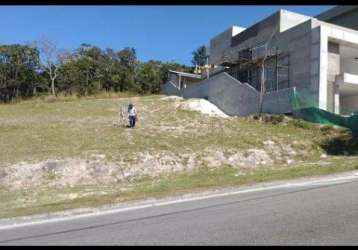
pixel 281 153
pixel 97 170
pixel 59 173
pixel 250 158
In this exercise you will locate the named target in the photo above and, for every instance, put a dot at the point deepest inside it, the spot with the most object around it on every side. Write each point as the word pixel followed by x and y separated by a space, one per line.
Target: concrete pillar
pixel 179 82
pixel 330 97
pixel 323 81
pixel 336 99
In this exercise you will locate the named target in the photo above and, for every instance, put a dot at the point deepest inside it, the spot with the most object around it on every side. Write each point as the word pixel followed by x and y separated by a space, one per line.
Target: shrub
pixel 301 124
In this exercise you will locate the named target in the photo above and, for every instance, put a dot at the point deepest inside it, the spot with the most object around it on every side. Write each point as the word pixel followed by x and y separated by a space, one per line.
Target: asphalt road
pixel 324 214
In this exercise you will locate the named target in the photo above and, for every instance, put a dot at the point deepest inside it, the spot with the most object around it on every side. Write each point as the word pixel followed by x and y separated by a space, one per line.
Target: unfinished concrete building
pixel 285 54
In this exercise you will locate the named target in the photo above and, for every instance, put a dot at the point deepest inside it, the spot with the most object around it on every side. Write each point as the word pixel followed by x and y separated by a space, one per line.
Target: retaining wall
pixel 233 97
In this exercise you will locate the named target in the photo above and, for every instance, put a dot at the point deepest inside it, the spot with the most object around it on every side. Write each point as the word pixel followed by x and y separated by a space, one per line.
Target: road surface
pixel 323 213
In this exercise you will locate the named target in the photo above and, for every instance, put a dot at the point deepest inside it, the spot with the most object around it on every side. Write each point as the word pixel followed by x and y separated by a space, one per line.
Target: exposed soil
pixel 98 170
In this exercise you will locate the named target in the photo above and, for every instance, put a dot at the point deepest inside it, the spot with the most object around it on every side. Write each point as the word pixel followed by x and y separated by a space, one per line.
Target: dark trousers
pixel 132 121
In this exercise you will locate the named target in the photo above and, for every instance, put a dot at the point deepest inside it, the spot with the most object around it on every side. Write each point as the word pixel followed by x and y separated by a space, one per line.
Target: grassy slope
pixel 35 130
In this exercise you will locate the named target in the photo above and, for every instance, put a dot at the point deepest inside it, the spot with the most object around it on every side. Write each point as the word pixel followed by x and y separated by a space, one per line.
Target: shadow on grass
pixel 343 143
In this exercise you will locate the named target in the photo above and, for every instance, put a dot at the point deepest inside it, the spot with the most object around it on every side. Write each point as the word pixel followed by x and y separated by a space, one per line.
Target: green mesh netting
pixel 305 106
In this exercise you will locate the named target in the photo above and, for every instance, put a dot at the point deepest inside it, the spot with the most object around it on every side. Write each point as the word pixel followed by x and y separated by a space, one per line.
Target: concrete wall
pixel 169 89
pixel 298 41
pixel 236 98
pixel 278 102
pixel 334 61
pixel 334 68
pixel 302 42
pixel 350 65
pixel 349 103
pixel 174 79
pixel 221 42
pixel 330 96
pixel 252 36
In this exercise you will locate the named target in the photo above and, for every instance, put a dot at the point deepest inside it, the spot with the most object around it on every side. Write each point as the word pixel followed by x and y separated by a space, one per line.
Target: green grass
pixel 37 130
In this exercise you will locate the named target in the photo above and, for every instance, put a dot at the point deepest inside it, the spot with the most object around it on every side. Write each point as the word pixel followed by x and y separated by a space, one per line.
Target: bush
pixel 301 124
pixel 328 130
pixel 273 119
pixel 341 144
pixel 269 118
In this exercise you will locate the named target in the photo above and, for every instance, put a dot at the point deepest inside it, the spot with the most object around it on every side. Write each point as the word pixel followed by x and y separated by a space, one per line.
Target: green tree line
pixel 37 69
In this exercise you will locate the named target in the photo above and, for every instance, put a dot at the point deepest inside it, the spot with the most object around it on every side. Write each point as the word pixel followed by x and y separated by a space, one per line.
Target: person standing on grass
pixel 132 115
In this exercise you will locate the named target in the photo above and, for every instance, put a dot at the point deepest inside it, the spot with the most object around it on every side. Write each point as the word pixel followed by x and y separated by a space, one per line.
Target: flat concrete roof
pixel 185 74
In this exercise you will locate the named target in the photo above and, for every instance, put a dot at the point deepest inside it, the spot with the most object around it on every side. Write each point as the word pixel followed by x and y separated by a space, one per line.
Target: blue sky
pixel 156 32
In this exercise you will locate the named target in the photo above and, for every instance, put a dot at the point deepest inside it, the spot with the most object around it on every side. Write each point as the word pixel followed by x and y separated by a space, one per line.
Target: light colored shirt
pixel 132 112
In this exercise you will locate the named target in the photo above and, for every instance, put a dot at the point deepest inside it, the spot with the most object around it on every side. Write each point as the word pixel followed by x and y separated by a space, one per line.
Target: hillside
pixel 58 155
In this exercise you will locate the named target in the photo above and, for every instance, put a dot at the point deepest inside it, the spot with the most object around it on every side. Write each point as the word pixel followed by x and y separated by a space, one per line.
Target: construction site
pixel 287 63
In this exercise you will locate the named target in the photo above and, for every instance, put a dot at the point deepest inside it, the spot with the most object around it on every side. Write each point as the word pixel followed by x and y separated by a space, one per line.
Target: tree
pixel 199 56
pixel 82 71
pixel 52 59
pixel 149 77
pixel 128 57
pixel 69 77
pixel 127 69
pixel 18 71
pixel 88 61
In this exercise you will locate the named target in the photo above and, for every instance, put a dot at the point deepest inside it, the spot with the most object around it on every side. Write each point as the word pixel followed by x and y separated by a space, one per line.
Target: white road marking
pixel 319 182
